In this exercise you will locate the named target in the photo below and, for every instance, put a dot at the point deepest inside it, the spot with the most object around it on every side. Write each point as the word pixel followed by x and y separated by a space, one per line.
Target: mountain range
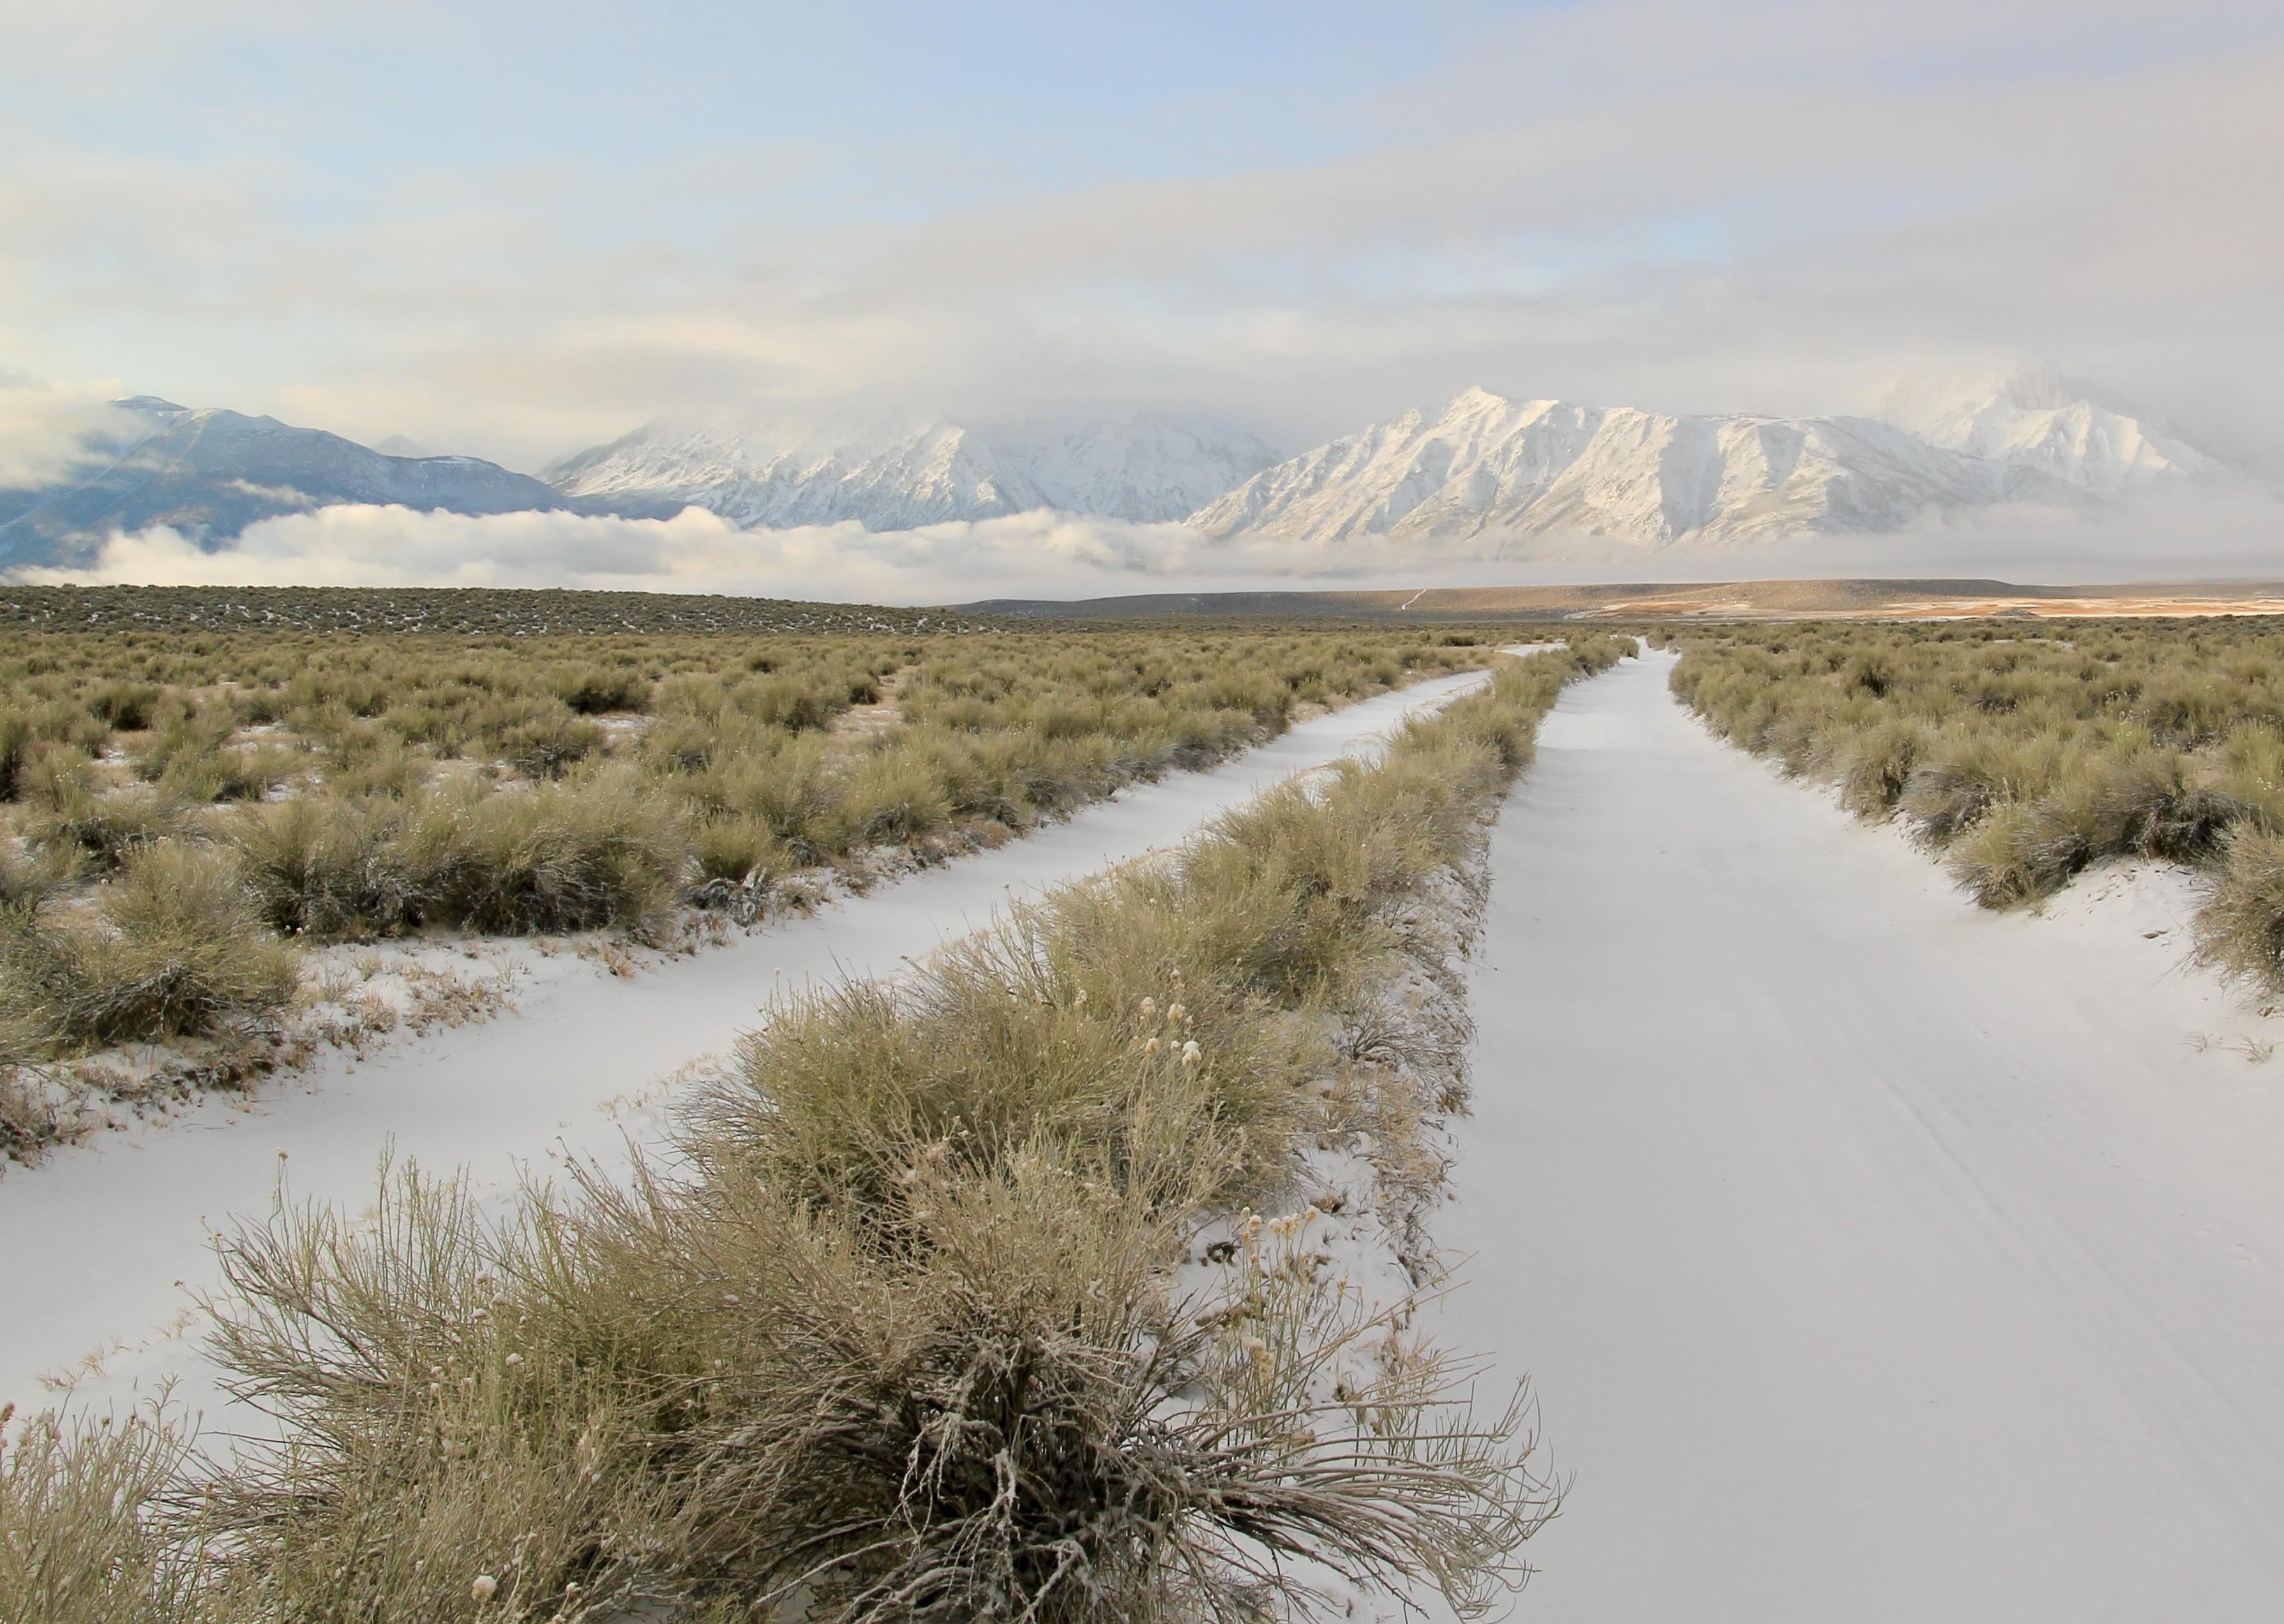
pixel 211 472
pixel 1483 475
pixel 761 470
pixel 1511 475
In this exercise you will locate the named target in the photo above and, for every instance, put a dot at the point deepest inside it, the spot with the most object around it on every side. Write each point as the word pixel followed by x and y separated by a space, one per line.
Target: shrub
pixel 600 688
pixel 896 1336
pixel 73 813
pixel 125 707
pixel 546 745
pixel 1874 766
pixel 2239 930
pixel 81 1539
pixel 557 857
pixel 893 795
pixel 330 869
pixel 15 744
pixel 177 950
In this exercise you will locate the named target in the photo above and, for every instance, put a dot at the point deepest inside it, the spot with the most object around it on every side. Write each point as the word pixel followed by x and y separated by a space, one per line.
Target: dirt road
pixel 1873 1259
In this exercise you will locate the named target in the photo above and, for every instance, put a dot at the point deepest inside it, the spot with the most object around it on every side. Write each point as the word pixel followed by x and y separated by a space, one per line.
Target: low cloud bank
pixel 1031 554
pixel 49 433
pixel 1056 556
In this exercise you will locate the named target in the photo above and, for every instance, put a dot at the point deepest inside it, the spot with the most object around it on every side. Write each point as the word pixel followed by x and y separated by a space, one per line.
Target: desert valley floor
pixel 1872 1258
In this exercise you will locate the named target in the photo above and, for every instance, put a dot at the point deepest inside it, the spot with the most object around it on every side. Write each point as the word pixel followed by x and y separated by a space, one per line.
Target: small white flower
pixel 1150 1047
pixel 1149 1008
pixel 484 1587
pixel 1191 1053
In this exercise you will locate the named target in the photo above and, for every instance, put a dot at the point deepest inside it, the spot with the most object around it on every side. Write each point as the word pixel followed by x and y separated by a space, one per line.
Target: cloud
pixel 2221 535
pixel 694 551
pixel 1767 204
pixel 46 430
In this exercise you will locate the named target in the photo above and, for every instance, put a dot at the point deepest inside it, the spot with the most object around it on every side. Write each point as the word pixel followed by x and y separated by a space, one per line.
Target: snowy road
pixel 97 1246
pixel 1873 1259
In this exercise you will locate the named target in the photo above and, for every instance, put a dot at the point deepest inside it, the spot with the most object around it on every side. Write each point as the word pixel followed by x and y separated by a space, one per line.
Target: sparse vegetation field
pixel 182 811
pixel 2024 754
pixel 895 1330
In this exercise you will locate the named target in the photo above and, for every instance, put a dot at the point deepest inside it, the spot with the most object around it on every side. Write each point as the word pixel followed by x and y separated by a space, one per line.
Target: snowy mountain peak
pixel 2032 416
pixel 1500 474
pixel 1512 477
pixel 755 470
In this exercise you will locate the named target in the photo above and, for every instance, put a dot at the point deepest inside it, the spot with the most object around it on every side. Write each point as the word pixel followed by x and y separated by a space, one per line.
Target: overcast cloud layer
pixel 511 230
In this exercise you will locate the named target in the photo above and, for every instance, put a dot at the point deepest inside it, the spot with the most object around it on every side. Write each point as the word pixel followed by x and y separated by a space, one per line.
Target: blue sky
pixel 512 228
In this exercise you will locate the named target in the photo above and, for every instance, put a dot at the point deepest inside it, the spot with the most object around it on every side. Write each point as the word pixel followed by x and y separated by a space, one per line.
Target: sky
pixel 511 229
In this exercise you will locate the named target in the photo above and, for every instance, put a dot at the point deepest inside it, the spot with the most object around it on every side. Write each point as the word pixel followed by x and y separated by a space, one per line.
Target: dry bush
pixel 2240 930
pixel 557 857
pixel 15 746
pixel 1873 766
pixel 974 1399
pixel 891 1334
pixel 73 813
pixel 329 869
pixel 736 850
pixel 82 1539
pixel 1031 1030
pixel 176 951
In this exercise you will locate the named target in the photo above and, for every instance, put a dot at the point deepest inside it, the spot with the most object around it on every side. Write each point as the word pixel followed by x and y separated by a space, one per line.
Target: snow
pixel 2032 417
pixel 1509 471
pixel 759 471
pixel 106 1242
pixel 1873 1257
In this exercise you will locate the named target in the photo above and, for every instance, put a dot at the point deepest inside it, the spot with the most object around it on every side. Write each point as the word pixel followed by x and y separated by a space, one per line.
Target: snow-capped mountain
pixel 2032 416
pixel 1479 476
pixel 211 472
pixel 758 470
pixel 1487 468
pixel 1149 468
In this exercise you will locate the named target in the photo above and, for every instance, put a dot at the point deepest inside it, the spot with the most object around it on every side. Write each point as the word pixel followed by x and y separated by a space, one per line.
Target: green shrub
pixel 124 706
pixel 735 849
pixel 893 795
pixel 548 745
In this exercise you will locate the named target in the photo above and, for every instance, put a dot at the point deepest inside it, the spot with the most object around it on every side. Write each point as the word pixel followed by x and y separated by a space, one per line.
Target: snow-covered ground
pixel 104 1243
pixel 1873 1257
